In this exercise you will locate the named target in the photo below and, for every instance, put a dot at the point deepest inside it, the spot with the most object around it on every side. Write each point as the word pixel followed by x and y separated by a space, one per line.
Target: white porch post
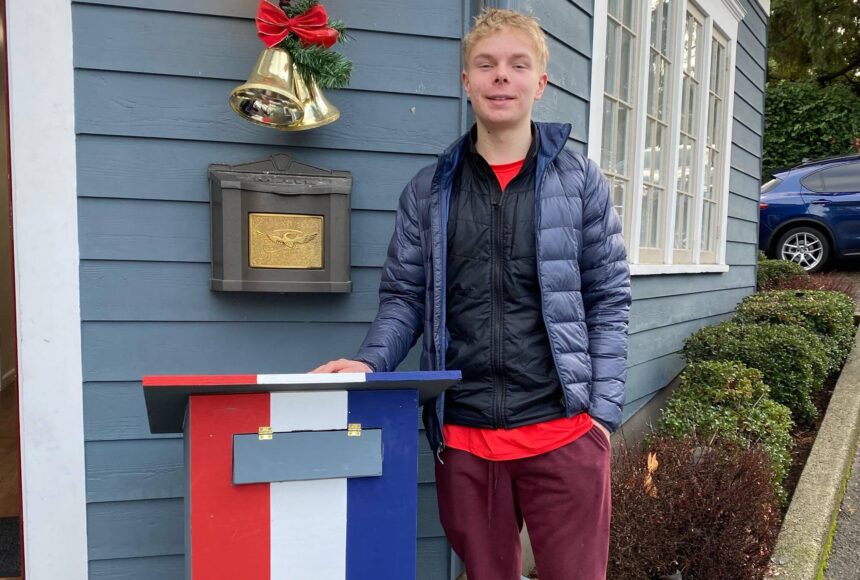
pixel 45 237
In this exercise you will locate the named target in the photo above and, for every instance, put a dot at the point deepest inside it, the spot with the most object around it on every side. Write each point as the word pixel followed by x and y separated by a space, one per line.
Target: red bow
pixel 273 26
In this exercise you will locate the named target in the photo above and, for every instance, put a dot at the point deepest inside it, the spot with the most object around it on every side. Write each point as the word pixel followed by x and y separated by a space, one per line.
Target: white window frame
pixel 629 154
pixel 668 158
pixel 698 161
pixel 724 15
pixel 725 152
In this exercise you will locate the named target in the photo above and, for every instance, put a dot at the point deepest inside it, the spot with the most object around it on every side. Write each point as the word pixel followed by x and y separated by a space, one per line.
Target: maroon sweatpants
pixel 563 495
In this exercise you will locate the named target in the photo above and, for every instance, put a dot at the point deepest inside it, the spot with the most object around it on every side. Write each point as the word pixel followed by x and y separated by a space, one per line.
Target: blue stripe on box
pixel 382 512
pixel 423 376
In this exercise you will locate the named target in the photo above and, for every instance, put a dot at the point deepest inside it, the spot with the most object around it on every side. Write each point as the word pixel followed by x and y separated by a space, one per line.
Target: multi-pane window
pixel 619 101
pixel 687 173
pixel 715 148
pixel 661 126
pixel 658 113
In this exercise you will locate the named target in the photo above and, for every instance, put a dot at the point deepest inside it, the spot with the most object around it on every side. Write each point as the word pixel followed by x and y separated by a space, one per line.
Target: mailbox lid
pixel 281 174
pixel 167 395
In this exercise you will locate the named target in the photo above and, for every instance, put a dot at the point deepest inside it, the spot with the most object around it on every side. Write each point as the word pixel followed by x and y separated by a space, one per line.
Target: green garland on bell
pixel 330 69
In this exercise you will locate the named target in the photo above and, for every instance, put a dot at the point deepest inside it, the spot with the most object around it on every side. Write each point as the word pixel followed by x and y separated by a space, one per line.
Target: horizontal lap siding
pixel 568 28
pixel 437 19
pixel 181 174
pixel 138 568
pixel 161 106
pixel 689 302
pixel 165 231
pixel 222 46
pixel 151 115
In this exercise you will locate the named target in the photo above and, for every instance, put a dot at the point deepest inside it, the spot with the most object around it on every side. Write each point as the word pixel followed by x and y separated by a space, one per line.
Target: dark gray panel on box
pixel 303 455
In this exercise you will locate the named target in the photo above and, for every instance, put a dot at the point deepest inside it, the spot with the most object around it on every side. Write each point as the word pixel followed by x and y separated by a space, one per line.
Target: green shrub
pixel 829 314
pixel 728 402
pixel 792 359
pixel 771 273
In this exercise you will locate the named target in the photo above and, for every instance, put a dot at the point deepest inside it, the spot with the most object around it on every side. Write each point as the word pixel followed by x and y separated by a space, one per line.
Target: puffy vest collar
pixel 553 138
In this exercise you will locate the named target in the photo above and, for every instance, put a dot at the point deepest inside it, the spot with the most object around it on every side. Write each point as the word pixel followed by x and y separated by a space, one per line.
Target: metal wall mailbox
pixel 280 226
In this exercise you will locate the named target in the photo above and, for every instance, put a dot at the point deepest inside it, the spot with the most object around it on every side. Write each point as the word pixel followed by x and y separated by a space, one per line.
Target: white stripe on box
pixel 310 378
pixel 308 517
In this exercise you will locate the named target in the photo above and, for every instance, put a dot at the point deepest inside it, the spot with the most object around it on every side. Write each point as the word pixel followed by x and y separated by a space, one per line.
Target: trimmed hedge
pixel 793 360
pixel 728 402
pixel 771 273
pixel 828 314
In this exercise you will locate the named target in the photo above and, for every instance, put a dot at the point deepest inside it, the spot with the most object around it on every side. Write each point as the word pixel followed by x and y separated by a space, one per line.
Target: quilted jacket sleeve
pixel 606 296
pixel 399 322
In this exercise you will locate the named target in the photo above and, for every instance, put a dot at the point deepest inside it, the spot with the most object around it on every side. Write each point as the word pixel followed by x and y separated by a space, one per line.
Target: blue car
pixel 811 213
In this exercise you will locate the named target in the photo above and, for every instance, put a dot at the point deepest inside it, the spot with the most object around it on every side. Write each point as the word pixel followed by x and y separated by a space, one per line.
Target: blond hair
pixel 494 20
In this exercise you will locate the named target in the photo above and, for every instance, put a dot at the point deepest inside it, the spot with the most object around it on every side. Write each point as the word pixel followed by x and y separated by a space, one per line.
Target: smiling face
pixel 503 77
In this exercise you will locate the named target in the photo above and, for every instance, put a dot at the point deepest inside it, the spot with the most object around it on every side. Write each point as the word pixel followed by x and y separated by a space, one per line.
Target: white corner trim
pixel 765 5
pixel 45 234
pixel 655 269
pixel 735 8
pixel 725 196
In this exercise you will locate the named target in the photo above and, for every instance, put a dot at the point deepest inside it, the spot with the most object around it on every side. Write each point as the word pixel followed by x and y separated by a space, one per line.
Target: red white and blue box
pixel 298 476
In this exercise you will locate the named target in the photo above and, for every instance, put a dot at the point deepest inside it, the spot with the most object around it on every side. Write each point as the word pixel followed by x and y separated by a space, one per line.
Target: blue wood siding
pixel 569 31
pixel 151 114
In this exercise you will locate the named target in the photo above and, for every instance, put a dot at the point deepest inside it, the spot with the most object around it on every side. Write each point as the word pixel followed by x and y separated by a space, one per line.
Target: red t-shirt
pixel 507 171
pixel 520 442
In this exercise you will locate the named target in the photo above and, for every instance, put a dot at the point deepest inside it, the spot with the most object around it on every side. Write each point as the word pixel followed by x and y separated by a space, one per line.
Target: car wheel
pixel 806 246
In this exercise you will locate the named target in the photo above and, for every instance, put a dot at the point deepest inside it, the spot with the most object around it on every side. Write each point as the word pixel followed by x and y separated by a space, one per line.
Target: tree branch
pixel 823 79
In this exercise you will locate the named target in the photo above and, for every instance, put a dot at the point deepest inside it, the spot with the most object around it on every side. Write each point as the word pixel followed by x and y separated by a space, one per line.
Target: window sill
pixel 654 269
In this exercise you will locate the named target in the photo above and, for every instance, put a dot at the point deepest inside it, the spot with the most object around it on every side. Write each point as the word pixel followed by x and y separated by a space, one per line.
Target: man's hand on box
pixel 343 365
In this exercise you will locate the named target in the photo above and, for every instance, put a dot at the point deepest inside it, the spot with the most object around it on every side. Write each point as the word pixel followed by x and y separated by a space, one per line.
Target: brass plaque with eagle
pixel 281 240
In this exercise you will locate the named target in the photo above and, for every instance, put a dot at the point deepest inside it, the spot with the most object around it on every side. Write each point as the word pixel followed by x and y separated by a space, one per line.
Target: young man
pixel 507 254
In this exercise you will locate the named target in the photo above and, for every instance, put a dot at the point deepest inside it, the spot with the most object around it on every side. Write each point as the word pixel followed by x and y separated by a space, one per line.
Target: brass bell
pixel 318 111
pixel 269 98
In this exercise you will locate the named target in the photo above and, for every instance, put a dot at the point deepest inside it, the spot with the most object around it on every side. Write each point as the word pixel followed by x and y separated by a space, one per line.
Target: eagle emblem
pixel 290 238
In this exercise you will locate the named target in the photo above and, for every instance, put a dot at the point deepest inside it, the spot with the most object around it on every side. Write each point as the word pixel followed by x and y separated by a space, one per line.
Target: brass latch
pixel 353 430
pixel 265 433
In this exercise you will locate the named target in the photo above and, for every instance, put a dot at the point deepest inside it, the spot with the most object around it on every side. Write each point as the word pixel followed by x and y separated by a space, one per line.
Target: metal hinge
pixel 353 430
pixel 264 433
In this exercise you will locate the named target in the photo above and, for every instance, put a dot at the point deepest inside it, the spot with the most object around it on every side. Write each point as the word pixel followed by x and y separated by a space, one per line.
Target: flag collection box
pixel 298 476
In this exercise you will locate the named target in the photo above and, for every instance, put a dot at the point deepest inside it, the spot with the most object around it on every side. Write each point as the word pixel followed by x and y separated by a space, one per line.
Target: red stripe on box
pixel 198 380
pixel 230 524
